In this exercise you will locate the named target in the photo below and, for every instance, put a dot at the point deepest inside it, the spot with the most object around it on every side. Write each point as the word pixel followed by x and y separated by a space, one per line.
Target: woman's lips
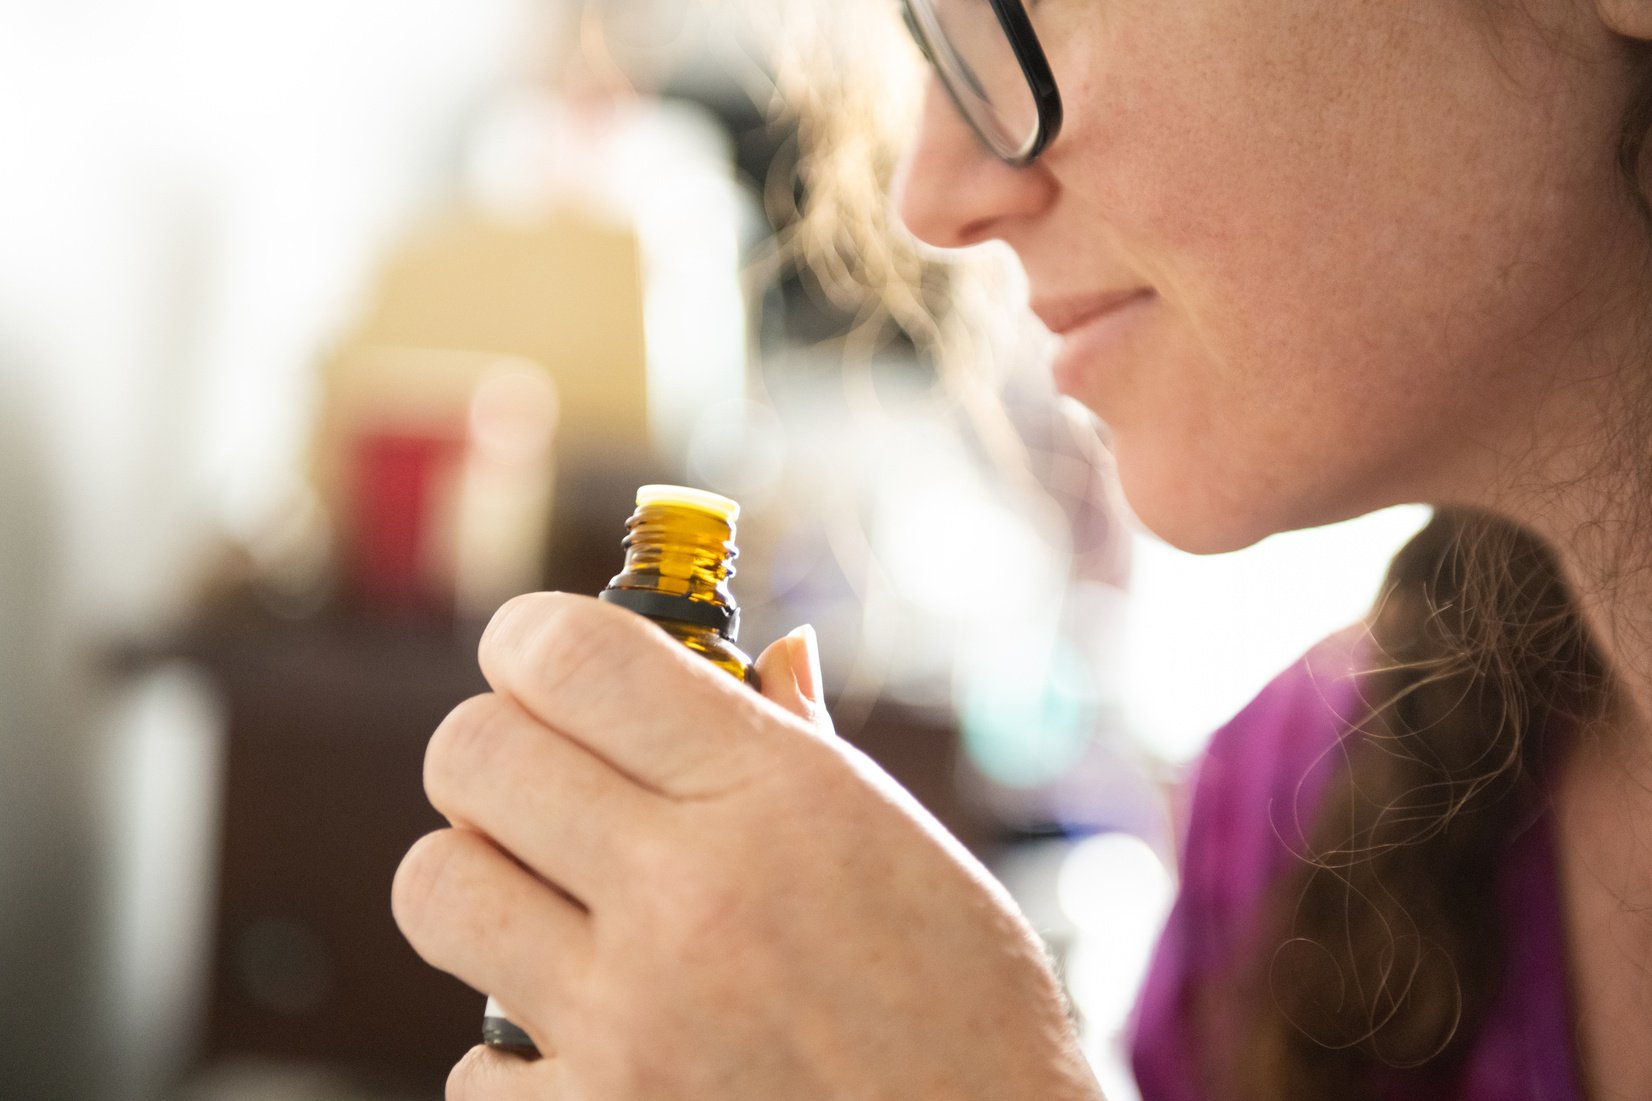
pixel 1091 331
pixel 1062 317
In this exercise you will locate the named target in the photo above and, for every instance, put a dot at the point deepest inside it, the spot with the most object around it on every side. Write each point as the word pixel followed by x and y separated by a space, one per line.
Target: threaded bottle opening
pixel 679 557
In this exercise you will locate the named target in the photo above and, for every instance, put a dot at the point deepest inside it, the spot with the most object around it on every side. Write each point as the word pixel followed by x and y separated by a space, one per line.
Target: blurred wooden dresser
pixel 327 721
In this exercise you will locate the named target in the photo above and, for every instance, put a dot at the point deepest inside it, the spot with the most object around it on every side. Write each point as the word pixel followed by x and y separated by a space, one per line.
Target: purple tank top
pixel 1252 804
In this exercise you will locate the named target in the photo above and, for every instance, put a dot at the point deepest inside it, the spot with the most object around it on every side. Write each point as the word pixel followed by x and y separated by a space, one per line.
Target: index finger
pixel 617 684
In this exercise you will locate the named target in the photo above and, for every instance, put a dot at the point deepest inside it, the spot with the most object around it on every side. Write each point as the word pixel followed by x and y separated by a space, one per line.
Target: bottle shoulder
pixel 713 647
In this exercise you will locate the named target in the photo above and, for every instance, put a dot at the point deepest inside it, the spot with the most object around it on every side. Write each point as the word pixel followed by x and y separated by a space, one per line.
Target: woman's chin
pixel 1190 515
pixel 1189 535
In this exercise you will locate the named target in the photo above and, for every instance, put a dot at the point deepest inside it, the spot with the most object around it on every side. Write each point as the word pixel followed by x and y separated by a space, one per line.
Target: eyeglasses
pixel 990 62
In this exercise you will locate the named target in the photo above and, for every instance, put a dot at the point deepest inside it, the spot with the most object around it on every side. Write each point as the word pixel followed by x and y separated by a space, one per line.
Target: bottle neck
pixel 684 558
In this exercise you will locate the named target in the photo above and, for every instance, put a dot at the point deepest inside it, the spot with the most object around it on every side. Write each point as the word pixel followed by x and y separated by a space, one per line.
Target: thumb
pixel 789 671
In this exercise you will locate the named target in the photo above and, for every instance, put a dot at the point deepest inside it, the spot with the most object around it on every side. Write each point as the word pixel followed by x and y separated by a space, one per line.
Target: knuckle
pixel 541 639
pixel 573 640
pixel 708 903
pixel 712 917
pixel 462 1080
pixel 420 882
pixel 466 742
pixel 691 902
pixel 510 614
pixel 515 621
pixel 655 858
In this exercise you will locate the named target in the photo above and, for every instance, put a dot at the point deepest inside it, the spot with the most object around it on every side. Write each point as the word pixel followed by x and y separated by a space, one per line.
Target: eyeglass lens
pixel 973 55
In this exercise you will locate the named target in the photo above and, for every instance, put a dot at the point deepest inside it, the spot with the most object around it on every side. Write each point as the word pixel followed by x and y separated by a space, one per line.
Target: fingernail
pixel 805 655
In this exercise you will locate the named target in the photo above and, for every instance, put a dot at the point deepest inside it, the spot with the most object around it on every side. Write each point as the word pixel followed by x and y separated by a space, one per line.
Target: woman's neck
pixel 1592 452
pixel 1576 470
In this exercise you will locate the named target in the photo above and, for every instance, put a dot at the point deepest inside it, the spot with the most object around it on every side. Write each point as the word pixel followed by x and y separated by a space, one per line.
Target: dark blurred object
pixel 327 721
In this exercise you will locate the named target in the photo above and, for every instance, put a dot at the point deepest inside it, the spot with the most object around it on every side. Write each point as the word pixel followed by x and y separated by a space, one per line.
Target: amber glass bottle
pixel 679 557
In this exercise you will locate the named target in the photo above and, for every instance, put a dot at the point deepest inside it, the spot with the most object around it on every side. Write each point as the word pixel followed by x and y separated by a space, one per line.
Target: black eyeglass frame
pixel 1029 54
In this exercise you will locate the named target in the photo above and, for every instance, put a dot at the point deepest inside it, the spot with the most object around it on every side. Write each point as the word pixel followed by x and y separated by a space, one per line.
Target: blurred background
pixel 327 326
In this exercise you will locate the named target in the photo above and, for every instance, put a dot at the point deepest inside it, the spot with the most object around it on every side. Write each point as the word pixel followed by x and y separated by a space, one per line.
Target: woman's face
pixel 1360 236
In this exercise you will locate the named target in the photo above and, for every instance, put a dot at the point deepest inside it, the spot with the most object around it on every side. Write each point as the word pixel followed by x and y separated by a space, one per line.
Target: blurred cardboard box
pixel 565 292
pixel 489 355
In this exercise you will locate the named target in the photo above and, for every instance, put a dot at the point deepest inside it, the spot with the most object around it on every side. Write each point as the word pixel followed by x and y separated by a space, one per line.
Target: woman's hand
pixel 681 889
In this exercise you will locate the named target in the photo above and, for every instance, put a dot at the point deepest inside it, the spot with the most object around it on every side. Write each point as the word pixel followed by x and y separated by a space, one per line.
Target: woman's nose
pixel 951 191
